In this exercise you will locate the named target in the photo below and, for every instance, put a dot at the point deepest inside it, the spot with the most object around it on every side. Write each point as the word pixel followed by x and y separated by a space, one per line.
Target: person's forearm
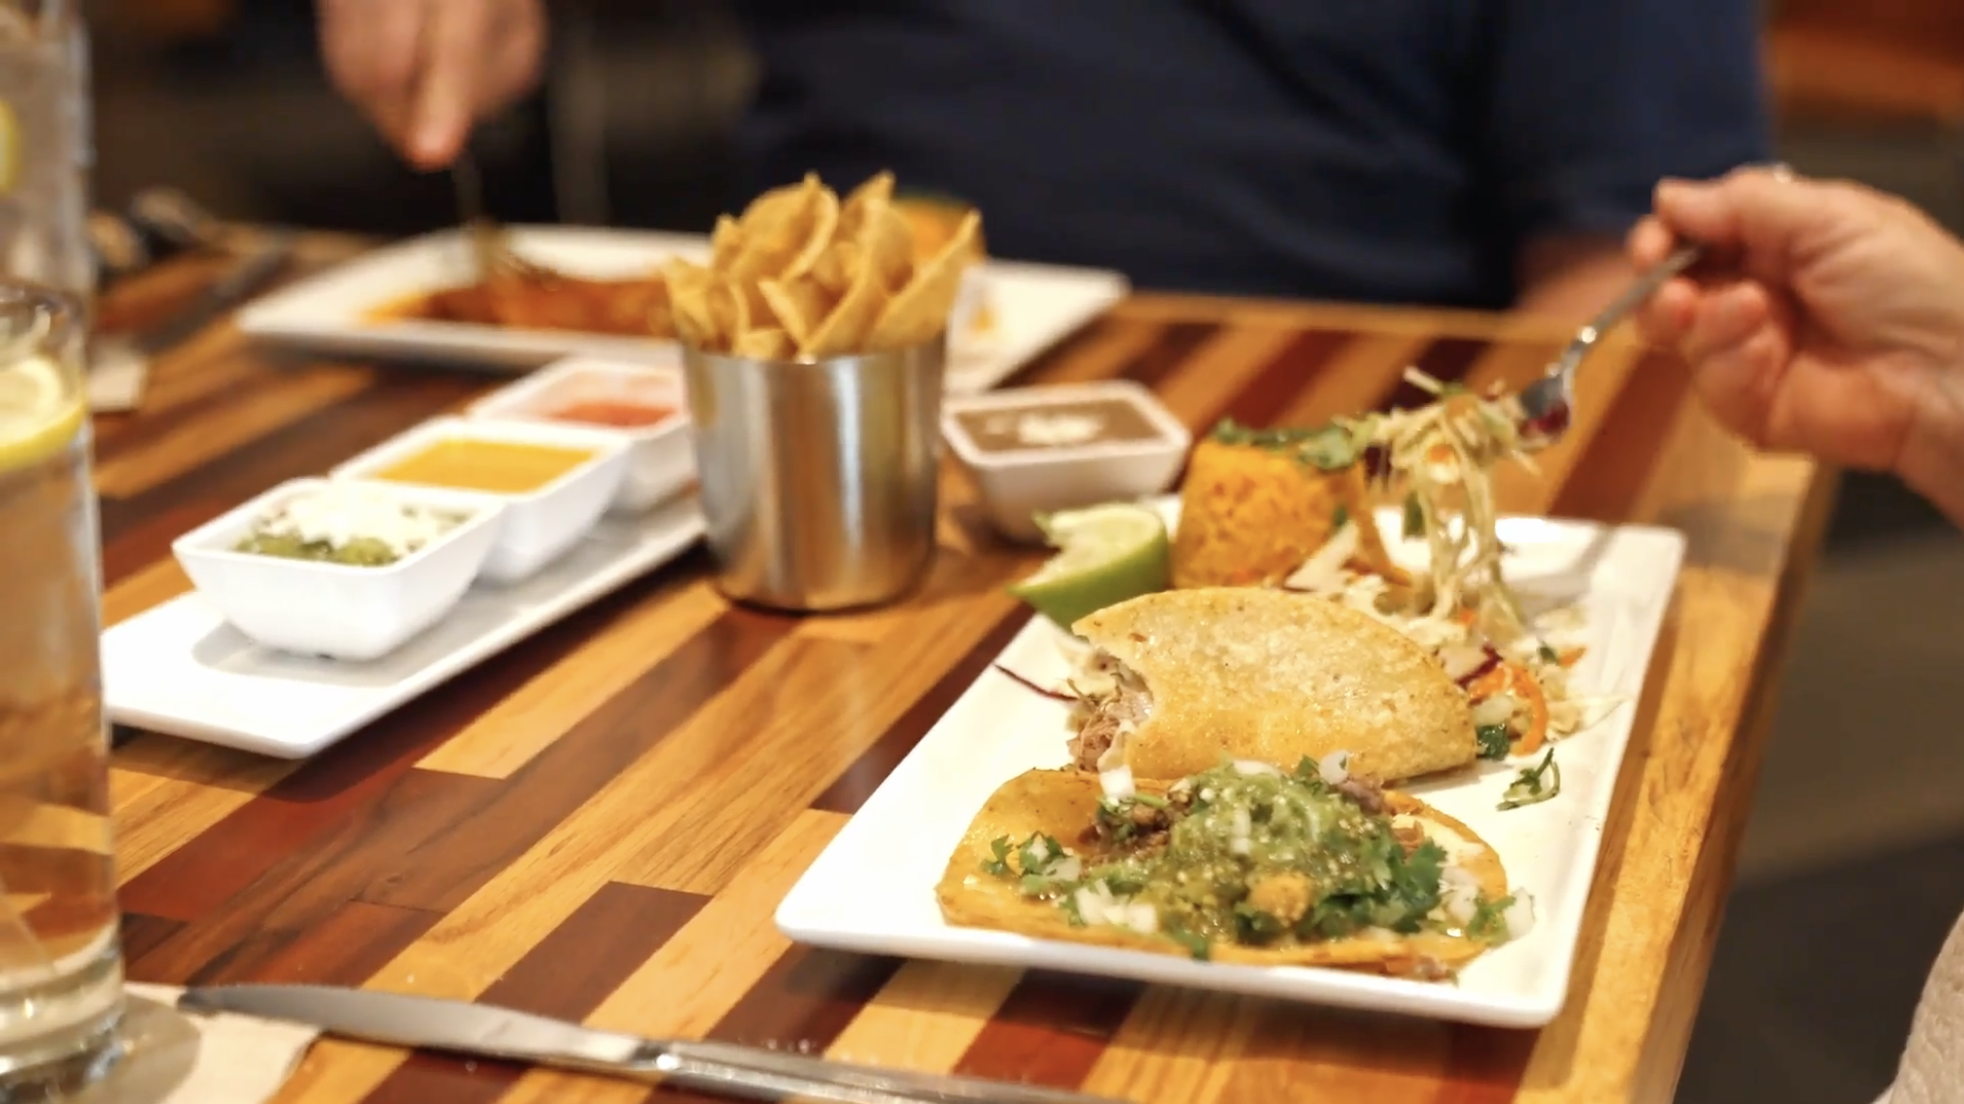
pixel 1571 278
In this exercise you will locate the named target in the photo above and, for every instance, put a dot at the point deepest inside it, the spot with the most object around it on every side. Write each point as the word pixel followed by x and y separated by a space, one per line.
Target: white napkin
pixel 174 1058
pixel 116 376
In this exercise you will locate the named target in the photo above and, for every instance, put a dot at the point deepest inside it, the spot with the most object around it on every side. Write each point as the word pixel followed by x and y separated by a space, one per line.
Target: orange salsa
pixel 625 413
pixel 472 464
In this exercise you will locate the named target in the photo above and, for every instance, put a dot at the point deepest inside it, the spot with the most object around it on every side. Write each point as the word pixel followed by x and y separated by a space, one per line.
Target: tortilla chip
pixel 844 330
pixel 1250 516
pixel 688 301
pixel 725 242
pixel 770 343
pixel 1273 676
pixel 920 310
pixel 799 305
pixel 777 227
pixel 824 216
pixel 1061 804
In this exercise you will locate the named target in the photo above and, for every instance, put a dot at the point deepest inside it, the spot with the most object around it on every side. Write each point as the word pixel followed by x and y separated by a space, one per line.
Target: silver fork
pixel 489 245
pixel 1547 402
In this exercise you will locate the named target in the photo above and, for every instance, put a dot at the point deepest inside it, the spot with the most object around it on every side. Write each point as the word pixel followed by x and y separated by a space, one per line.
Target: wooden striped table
pixel 598 823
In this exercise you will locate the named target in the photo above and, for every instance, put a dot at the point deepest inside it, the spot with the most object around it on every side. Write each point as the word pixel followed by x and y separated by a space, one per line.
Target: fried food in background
pixel 985 883
pixel 1251 514
pixel 545 300
pixel 807 274
pixel 1180 678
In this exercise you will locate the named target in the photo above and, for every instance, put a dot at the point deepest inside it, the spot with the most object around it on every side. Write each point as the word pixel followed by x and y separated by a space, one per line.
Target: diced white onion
pixel 1252 767
pixel 1244 826
pixel 1519 916
pixel 1461 660
pixel 1067 869
pixel 1089 906
pixel 1335 768
pixel 1117 783
pixel 1140 917
pixel 1494 710
pixel 1459 894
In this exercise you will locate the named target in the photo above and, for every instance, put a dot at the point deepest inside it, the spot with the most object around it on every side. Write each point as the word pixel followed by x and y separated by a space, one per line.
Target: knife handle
pixel 886 1084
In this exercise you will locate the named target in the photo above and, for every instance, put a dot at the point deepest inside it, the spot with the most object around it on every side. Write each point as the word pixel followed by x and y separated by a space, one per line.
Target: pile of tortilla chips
pixel 804 275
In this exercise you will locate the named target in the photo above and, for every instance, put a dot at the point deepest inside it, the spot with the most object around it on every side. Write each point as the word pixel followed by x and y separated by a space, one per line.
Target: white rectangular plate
pixel 1034 305
pixel 872 890
pixel 181 669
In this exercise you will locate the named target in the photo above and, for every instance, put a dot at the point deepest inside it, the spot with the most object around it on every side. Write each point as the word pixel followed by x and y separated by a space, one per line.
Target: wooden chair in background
pixel 1865 63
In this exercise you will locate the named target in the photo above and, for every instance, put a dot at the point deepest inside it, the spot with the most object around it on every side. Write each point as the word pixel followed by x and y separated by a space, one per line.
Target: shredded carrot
pixel 1465 615
pixel 1571 656
pixel 1512 678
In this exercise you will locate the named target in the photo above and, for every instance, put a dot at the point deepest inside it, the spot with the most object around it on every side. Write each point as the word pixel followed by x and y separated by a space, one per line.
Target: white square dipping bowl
pixel 336 610
pixel 538 526
pixel 660 461
pixel 1019 482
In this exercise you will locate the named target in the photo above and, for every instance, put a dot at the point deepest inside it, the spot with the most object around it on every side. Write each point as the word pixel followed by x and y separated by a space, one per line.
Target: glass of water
pixel 61 972
pixel 46 145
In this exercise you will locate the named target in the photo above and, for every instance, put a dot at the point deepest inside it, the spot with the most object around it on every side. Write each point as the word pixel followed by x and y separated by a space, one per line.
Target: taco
pixel 1241 863
pixel 1175 680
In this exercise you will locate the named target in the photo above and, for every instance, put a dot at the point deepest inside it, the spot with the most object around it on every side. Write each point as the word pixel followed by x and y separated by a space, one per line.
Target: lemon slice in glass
pixel 1106 554
pixel 39 412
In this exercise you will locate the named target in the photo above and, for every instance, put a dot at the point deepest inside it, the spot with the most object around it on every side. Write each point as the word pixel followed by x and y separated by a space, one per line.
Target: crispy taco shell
pixel 1061 804
pixel 1269 675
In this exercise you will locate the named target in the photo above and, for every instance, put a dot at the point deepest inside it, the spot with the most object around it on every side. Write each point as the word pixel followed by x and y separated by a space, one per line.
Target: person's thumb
pixel 1758 210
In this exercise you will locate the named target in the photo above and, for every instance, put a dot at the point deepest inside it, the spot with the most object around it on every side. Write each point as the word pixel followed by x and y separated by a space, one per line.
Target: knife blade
pixel 119 364
pixel 490 1031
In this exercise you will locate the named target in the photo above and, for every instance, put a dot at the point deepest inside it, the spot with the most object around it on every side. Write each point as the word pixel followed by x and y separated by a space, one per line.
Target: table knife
pixel 119 364
pixel 488 1031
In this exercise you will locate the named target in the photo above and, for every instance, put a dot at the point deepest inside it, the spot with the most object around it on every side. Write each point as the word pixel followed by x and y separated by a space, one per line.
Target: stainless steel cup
pixel 818 479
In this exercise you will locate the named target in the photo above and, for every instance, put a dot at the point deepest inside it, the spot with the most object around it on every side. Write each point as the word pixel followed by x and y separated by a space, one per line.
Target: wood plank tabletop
pixel 599 822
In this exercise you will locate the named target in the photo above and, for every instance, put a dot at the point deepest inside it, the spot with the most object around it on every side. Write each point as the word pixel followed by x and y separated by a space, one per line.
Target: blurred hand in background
pixel 427 71
pixel 1834 325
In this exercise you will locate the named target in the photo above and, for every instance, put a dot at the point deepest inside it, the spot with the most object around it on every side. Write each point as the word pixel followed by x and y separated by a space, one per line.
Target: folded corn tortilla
pixel 1184 677
pixel 1061 803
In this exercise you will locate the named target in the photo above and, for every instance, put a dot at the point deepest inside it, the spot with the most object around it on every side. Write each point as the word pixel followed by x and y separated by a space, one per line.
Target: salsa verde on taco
pixel 1240 863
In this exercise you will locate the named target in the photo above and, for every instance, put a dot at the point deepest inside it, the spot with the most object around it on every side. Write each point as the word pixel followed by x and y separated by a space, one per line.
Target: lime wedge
pixel 39 412
pixel 1106 554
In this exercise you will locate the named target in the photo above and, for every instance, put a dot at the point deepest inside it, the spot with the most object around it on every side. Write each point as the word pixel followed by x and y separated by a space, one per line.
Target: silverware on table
pixel 492 1032
pixel 489 245
pixel 119 364
pixel 1546 404
pixel 818 480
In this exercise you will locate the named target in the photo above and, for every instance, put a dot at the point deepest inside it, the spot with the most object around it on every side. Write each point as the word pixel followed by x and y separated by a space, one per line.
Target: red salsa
pixel 611 412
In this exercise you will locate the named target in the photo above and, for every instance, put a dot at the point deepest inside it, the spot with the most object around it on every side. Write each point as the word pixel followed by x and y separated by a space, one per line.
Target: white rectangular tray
pixel 181 669
pixel 872 889
pixel 1034 305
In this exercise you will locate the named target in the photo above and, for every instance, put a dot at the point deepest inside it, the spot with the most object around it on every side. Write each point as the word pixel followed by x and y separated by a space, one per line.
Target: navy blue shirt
pixel 1385 150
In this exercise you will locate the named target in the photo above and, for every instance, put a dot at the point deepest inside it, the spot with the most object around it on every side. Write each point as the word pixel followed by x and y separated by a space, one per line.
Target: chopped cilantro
pixel 1252 925
pixel 1535 784
pixel 1414 517
pixel 1342 517
pixel 1151 801
pixel 1493 741
pixel 1489 922
pixel 1550 654
pixel 1039 851
pixel 998 864
pixel 1196 945
pixel 1329 447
